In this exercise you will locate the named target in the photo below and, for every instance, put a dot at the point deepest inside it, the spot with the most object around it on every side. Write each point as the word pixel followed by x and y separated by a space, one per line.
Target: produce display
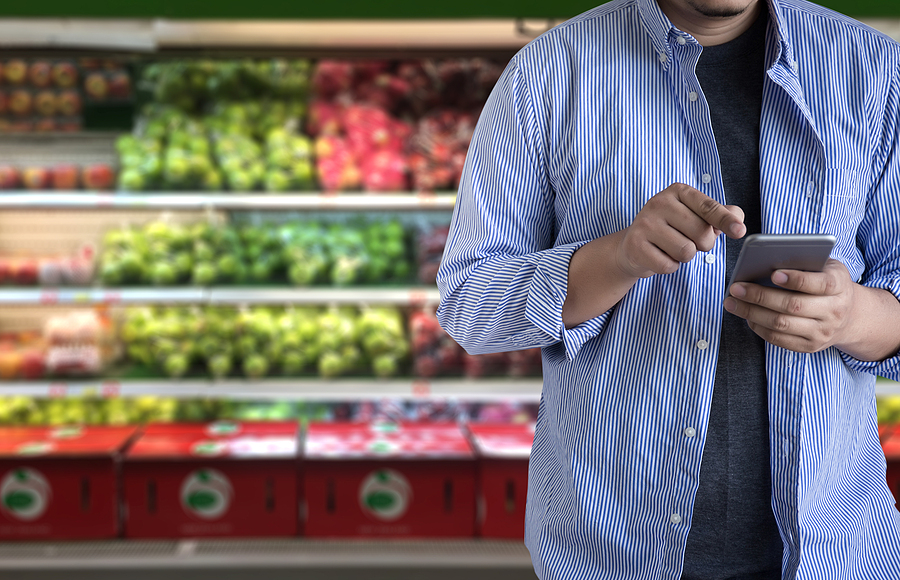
pixel 64 176
pixel 79 343
pixel 93 409
pixel 396 125
pixel 431 243
pixel 243 126
pixel 889 410
pixel 220 125
pixel 301 253
pixel 72 269
pixel 39 95
pixel 435 353
pixel 258 342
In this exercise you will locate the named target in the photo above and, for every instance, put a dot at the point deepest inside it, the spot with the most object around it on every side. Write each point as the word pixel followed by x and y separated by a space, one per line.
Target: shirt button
pixel 810 188
pixel 710 259
pixel 663 57
pixel 690 432
pixel 680 40
pixel 675 519
pixel 706 178
pixel 693 96
pixel 702 344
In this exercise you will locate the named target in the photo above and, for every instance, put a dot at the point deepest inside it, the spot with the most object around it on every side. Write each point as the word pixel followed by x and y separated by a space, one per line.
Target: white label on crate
pixel 209 448
pixel 24 494
pixel 206 493
pixel 385 494
pixel 223 428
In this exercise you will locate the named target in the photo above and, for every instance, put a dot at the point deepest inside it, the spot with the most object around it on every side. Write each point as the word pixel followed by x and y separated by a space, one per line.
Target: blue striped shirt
pixel 586 124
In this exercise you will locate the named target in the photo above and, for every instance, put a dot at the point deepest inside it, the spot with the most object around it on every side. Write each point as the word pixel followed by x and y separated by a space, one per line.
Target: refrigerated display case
pixel 41 223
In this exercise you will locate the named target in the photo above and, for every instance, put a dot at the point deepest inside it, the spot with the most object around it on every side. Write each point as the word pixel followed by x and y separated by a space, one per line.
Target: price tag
pixel 57 390
pixel 417 297
pixel 49 297
pixel 328 199
pixel 81 297
pixel 427 198
pixel 112 297
pixel 421 388
pixel 111 389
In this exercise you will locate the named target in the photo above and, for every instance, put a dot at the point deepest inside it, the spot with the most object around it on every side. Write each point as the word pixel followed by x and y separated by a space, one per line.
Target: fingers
pixel 825 283
pixel 726 219
pixel 808 313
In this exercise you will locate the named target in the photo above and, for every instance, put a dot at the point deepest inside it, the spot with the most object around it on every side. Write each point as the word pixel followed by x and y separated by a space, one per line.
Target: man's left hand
pixel 809 312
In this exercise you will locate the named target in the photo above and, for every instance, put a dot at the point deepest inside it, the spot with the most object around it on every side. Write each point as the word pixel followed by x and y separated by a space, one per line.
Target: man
pixel 616 166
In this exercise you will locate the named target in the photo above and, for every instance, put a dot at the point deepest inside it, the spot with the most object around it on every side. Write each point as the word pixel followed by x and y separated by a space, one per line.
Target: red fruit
pixel 64 74
pixel 10 364
pixel 15 71
pixel 6 270
pixel 68 103
pixel 332 77
pixel 36 178
pixel 119 85
pixel 426 366
pixel 32 364
pixel 96 86
pixel 39 74
pixel 25 272
pixel 324 118
pixel 20 102
pixel 45 103
pixel 99 176
pixel 66 177
pixel 10 177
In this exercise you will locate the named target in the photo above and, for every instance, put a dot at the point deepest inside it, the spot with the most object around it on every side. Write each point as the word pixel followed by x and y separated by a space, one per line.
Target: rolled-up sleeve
pixel 503 278
pixel 879 232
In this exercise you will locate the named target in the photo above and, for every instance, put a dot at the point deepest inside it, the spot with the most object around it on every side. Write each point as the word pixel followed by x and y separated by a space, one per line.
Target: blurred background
pixel 220 228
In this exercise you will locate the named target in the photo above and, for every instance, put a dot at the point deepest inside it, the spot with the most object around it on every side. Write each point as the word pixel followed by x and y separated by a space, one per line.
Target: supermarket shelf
pixel 81 296
pixel 348 296
pixel 475 558
pixel 237 201
pixel 224 296
pixel 284 389
pixel 158 35
pixel 886 387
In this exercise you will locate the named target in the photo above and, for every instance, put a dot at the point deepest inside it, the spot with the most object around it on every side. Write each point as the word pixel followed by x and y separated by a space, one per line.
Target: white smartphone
pixel 762 254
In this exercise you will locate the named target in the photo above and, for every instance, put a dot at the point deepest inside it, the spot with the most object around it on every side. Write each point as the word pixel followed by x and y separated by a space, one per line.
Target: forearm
pixel 595 282
pixel 505 301
pixel 871 333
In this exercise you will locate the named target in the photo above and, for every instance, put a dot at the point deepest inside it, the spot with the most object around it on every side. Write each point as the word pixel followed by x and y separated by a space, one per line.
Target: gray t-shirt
pixel 733 532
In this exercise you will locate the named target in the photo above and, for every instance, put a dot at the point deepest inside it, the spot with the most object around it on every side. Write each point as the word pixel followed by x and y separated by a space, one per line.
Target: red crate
pixel 388 480
pixel 503 454
pixel 224 479
pixel 60 482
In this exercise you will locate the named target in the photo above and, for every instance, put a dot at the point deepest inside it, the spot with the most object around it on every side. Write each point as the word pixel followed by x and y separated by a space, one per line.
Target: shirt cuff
pixel 888 368
pixel 546 297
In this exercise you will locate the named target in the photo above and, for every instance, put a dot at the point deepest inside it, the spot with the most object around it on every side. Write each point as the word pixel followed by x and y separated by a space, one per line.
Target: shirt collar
pixel 661 30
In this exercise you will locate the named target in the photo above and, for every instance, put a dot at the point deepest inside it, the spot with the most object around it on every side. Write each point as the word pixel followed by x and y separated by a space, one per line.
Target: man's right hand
pixel 672 227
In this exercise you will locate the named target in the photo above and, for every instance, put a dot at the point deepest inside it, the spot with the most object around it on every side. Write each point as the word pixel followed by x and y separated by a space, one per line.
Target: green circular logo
pixel 24 494
pixel 206 493
pixel 385 495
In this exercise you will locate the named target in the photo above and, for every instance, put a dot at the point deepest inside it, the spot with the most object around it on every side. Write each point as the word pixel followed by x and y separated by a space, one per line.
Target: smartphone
pixel 762 254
